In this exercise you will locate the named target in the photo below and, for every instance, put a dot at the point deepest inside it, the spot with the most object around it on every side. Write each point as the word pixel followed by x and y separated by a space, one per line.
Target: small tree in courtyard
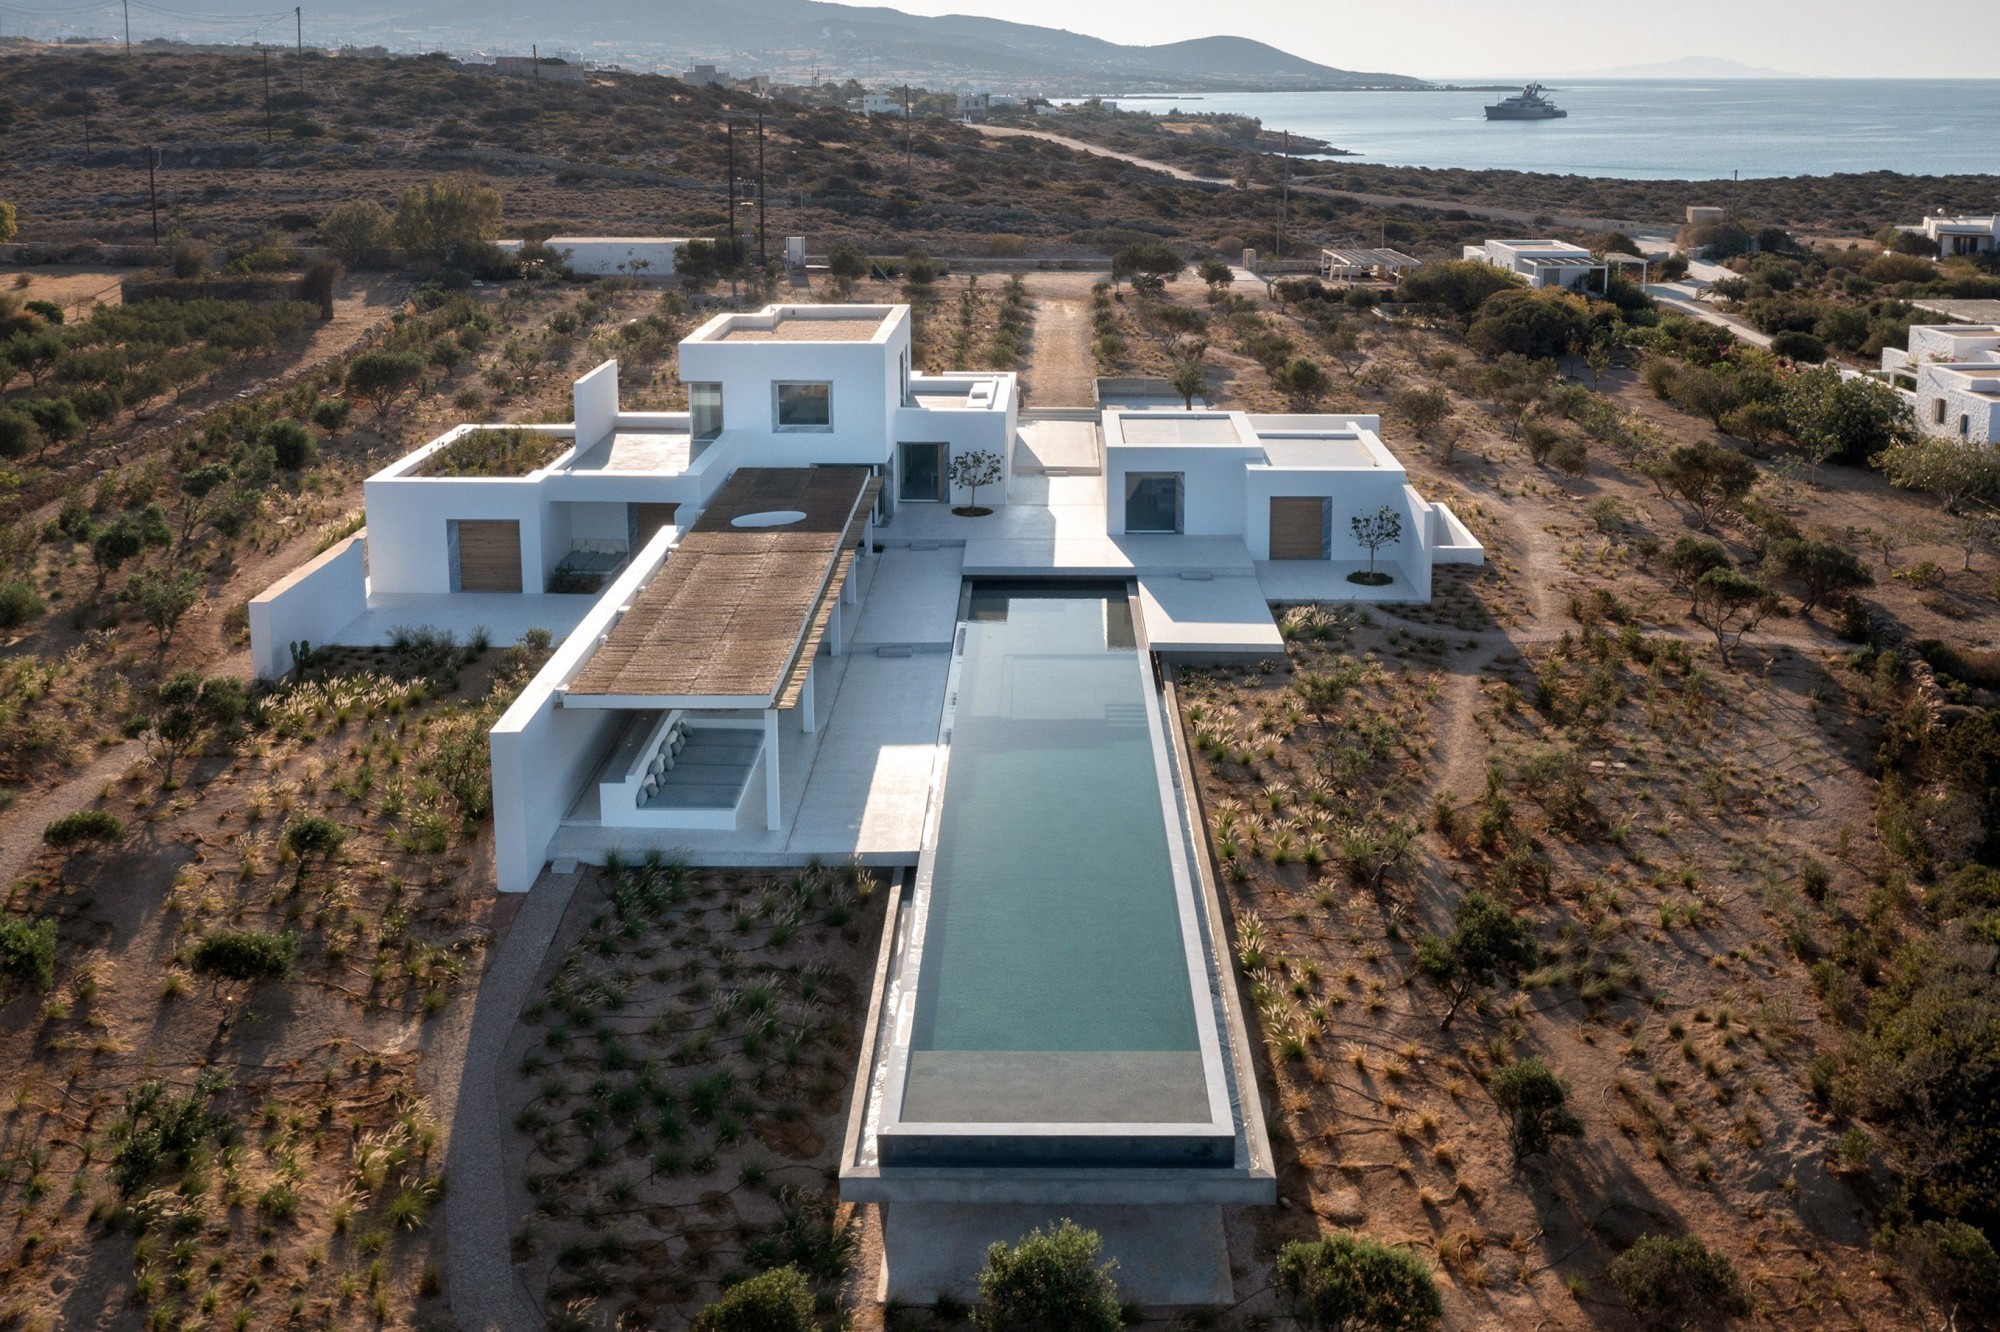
pixel 1488 941
pixel 1536 1099
pixel 1347 1283
pixel 1382 528
pixel 971 470
pixel 1048 1281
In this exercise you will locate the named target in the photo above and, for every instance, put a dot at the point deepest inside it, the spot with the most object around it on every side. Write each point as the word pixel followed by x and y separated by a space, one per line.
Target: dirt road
pixel 1061 370
pixel 1514 216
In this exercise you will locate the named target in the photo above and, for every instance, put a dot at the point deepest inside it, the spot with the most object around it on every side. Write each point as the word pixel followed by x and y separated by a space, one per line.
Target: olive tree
pixel 1348 1283
pixel 1536 1101
pixel 384 376
pixel 1048 1281
pixel 434 218
pixel 973 469
pixel 1488 941
pixel 780 1300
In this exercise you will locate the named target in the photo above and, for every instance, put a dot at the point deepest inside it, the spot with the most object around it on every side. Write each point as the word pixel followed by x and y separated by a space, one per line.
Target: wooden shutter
pixel 489 555
pixel 1296 527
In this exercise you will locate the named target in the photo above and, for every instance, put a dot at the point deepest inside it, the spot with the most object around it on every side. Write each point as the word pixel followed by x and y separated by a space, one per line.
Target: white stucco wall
pixel 312 603
pixel 1211 483
pixel 968 431
pixel 542 753
pixel 616 256
pixel 867 379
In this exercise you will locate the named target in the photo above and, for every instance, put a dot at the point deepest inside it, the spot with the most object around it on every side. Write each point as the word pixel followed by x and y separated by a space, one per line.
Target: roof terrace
pixel 802 323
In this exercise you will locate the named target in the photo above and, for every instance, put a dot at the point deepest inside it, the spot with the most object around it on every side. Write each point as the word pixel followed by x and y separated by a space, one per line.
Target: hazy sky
pixel 1453 38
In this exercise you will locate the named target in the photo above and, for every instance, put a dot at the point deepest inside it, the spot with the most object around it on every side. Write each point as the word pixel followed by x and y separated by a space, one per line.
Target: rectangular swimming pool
pixel 1054 1002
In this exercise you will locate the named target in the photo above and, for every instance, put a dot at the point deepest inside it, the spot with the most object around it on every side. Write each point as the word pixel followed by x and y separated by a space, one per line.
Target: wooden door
pixel 1298 527
pixel 489 555
pixel 648 519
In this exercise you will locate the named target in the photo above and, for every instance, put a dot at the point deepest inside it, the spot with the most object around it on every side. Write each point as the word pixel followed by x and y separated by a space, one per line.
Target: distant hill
pixel 1687 67
pixel 875 44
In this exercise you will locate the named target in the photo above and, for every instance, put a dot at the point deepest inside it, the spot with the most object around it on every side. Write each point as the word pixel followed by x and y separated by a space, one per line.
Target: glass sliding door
pixel 923 473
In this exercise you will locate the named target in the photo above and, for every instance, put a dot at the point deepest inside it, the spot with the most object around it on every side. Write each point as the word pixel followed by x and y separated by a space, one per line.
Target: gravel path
pixel 479 1264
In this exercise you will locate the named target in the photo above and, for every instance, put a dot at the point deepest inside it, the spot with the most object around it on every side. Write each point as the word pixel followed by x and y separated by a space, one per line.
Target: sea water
pixel 1648 129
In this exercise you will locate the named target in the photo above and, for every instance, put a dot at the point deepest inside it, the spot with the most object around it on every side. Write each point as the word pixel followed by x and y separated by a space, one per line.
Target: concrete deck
pixel 1207 618
pixel 505 616
pixel 1165 1255
pixel 1057 448
pixel 913 599
pixel 1326 580
pixel 1054 526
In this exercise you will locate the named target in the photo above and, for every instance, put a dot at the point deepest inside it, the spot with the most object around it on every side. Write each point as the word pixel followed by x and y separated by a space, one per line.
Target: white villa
pixel 777 641
pixel 774 575
pixel 1959 235
pixel 1544 263
pixel 1951 374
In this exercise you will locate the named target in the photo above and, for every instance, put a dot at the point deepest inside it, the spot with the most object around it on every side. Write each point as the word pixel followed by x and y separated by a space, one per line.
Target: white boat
pixel 1531 103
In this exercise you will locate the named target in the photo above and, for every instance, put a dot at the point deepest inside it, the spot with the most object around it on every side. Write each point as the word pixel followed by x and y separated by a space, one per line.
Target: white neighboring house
pixel 1951 374
pixel 614 256
pixel 882 104
pixel 1289 487
pixel 1959 235
pixel 1544 263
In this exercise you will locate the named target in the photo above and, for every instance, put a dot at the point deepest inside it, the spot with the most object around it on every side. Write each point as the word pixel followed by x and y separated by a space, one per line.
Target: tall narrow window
pixel 705 409
pixel 803 406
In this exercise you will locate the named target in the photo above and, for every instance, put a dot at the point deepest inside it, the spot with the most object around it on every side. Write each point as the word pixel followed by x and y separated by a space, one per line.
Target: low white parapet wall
pixel 313 604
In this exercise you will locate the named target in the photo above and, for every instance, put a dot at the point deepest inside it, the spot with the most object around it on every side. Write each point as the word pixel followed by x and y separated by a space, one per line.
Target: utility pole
pixel 535 59
pixel 763 255
pixel 299 20
pixel 1285 195
pixel 735 236
pixel 128 26
pixel 267 95
pixel 153 190
pixel 909 158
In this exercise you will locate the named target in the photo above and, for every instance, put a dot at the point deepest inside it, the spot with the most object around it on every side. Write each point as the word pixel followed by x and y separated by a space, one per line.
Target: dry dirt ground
pixel 1652 810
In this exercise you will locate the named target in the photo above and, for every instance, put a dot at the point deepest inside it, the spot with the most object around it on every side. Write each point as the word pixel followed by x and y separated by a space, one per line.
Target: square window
pixel 1152 502
pixel 804 406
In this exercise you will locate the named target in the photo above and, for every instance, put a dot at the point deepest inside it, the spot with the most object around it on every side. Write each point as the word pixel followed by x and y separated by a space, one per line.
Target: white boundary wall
pixel 314 602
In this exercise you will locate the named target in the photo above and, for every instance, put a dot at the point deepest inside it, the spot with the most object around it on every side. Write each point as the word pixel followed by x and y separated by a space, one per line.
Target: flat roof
pixel 1321 451
pixel 1177 428
pixel 799 323
pixel 727 615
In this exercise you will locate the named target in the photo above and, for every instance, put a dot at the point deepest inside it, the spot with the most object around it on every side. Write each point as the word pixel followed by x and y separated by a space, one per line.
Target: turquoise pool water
pixel 1055 982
